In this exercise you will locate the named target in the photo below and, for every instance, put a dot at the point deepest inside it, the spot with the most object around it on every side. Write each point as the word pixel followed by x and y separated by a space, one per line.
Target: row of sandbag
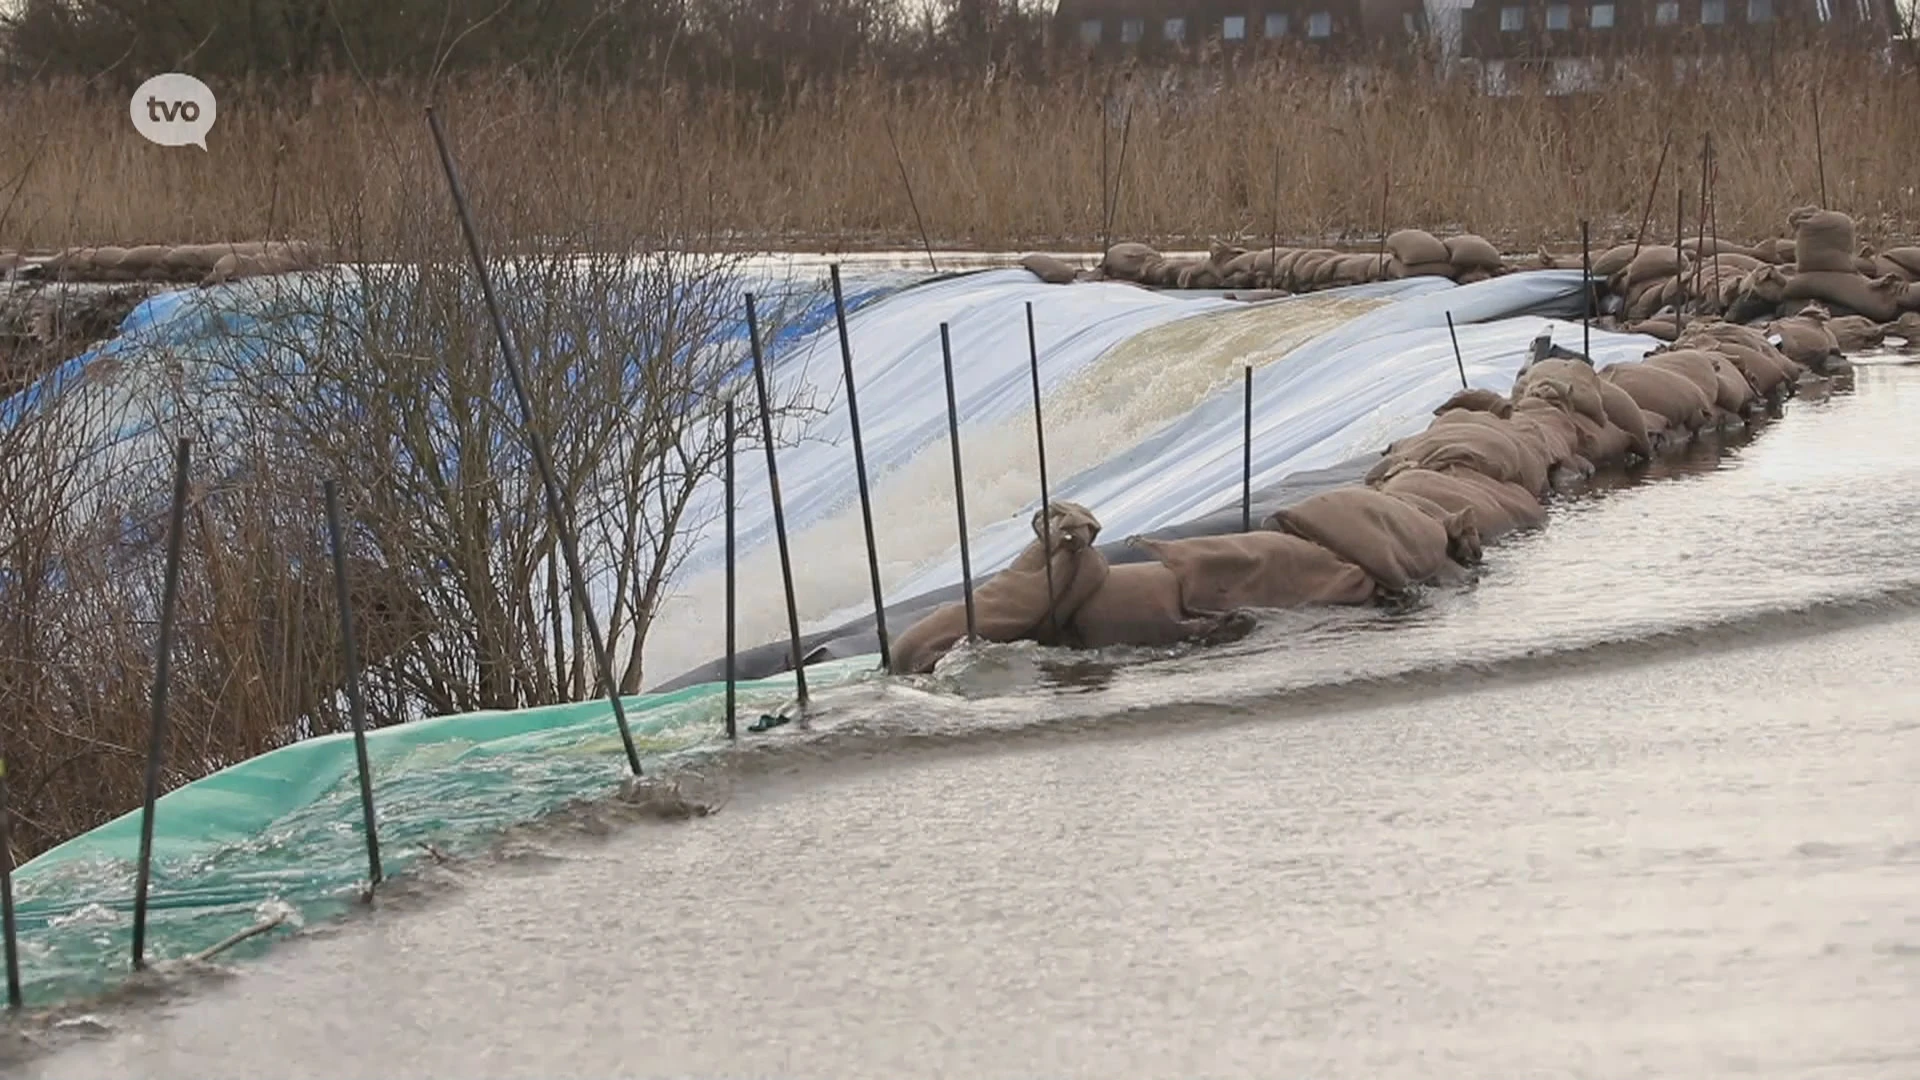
pixel 1483 469
pixel 201 264
pixel 1823 264
pixel 1407 253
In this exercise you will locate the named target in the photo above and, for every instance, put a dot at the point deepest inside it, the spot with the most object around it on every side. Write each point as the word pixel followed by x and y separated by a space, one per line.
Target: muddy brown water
pixel 1642 802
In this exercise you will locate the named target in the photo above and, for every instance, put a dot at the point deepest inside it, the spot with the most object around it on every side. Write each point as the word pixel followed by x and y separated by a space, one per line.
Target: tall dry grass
pixel 992 163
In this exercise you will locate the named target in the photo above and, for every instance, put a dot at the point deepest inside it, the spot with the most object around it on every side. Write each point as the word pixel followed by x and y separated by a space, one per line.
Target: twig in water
pixel 911 201
pixel 253 931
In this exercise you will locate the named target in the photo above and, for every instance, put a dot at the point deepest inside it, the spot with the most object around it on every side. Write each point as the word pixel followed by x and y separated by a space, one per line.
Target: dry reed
pixel 994 163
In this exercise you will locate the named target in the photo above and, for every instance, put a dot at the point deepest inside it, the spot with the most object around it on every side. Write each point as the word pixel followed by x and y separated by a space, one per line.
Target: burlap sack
pixel 1470 252
pixel 1414 247
pixel 1823 240
pixel 1261 569
pixel 1049 268
pixel 1878 299
pixel 1857 333
pixel 1128 261
pixel 1393 541
pixel 1613 260
pixel 1571 384
pixel 1669 395
pixel 1477 401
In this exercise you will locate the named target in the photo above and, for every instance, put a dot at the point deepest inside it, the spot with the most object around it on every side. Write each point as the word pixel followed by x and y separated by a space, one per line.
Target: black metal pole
pixel 732 671
pixel 1457 361
pixel 1820 149
pixel 860 470
pixel 1679 255
pixel 6 895
pixel 779 512
pixel 162 671
pixel 537 445
pixel 1586 289
pixel 350 651
pixel 1040 443
pixel 959 489
pixel 1246 453
pixel 1659 169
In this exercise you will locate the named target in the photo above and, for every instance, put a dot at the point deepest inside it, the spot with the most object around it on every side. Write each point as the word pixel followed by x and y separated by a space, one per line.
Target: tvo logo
pixel 173 110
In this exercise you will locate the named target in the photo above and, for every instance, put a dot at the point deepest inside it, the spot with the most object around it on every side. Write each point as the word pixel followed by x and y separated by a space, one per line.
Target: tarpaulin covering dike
pixel 1337 374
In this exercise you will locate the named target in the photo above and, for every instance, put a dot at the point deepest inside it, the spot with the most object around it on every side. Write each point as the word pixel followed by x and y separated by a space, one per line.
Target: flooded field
pixel 1639 803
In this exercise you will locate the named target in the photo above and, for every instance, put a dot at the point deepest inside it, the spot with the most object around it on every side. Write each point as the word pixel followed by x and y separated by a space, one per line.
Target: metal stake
pixel 959 487
pixel 162 671
pixel 860 470
pixel 1046 499
pixel 779 511
pixel 569 547
pixel 356 708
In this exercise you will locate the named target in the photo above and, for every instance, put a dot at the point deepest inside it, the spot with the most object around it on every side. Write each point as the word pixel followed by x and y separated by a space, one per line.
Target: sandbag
pixel 1471 440
pixel 1515 502
pixel 1393 541
pixel 1470 252
pixel 1732 392
pixel 1613 260
pixel 1048 268
pixel 1907 258
pixel 1664 327
pixel 1195 274
pixel 1358 269
pixel 1626 415
pixel 1398 270
pixel 1016 603
pixel 1823 240
pixel 1715 246
pixel 1477 401
pixel 1775 250
pixel 1138 604
pixel 1601 444
pixel 1570 384
pixel 1658 263
pixel 1764 367
pixel 1878 299
pixel 1700 367
pixel 1259 569
pixel 1552 430
pixel 1671 396
pixel 1806 339
pixel 1472 277
pixel 1417 246
pixel 1128 261
pixel 1856 333
pixel 1493 516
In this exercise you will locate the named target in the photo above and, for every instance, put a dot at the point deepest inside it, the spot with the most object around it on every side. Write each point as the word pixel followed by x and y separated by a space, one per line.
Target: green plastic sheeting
pixel 285 828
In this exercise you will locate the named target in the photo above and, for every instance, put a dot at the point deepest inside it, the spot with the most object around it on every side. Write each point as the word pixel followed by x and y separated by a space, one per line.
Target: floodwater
pixel 1640 803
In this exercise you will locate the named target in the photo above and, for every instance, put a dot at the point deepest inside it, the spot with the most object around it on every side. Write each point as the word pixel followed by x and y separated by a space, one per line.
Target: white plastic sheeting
pixel 1142 399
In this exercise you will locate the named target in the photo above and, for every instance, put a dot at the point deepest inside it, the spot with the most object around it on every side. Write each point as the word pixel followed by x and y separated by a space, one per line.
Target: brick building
pixel 1540 30
pixel 1149 26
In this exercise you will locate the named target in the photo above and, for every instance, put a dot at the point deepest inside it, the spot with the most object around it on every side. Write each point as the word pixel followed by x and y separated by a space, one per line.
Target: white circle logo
pixel 173 110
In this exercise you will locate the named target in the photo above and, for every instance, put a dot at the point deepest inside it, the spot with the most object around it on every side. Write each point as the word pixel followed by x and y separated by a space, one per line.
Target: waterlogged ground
pixel 1641 803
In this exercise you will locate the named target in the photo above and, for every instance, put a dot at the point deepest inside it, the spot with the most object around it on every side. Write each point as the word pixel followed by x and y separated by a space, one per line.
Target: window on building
pixel 1668 13
pixel 1278 23
pixel 1174 29
pixel 1713 12
pixel 1131 30
pixel 1759 11
pixel 1824 9
pixel 1234 28
pixel 1513 18
pixel 1559 17
pixel 1600 16
pixel 1320 24
pixel 1090 32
